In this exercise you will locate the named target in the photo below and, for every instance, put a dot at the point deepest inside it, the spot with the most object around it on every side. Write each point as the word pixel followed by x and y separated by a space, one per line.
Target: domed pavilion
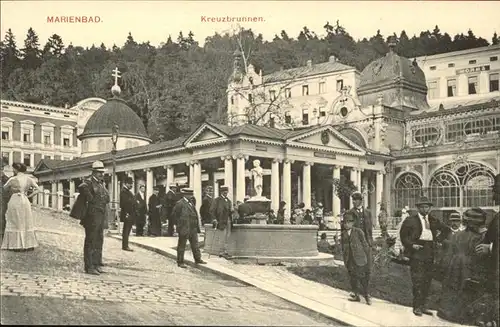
pixel 96 137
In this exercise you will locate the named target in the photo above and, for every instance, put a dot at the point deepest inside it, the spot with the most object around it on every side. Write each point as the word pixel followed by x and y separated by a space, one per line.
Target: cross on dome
pixel 116 75
pixel 116 90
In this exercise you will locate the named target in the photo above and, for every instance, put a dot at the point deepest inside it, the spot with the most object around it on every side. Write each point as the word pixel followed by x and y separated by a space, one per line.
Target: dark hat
pixel 475 216
pixel 423 200
pixel 357 196
pixel 187 191
pixel 224 188
pixel 454 216
pixel 128 180
pixel 156 188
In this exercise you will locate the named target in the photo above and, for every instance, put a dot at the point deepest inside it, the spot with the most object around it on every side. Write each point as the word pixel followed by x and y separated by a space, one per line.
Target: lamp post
pixel 114 138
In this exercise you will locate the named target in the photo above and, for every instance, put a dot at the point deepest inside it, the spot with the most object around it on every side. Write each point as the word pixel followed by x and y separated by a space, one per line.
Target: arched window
pixel 408 188
pixel 472 182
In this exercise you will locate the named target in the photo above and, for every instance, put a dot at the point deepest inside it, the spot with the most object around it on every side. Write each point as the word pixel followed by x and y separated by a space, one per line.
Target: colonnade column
pixel 228 175
pixel 306 184
pixel 170 175
pixel 116 190
pixel 336 199
pixel 132 175
pixel 71 192
pixel 354 178
pixel 197 184
pixel 60 194
pixel 379 189
pixel 149 183
pixel 365 187
pixel 53 195
pixel 216 187
pixel 40 197
pixel 240 177
pixel 287 189
pixel 191 174
pixel 358 179
pixel 46 195
pixel 275 185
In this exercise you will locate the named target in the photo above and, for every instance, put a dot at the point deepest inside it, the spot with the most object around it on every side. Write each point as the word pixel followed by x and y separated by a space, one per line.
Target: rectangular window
pixel 272 95
pixel 66 142
pixel 452 87
pixel 288 93
pixel 495 58
pixel 340 85
pixel 305 90
pixel 5 135
pixel 322 111
pixel 451 65
pixel 433 90
pixel 47 157
pixel 288 118
pixel 494 82
pixel 432 68
pixel 473 86
pixel 46 139
pixel 472 62
pixel 26 137
pixel 305 116
pixel 322 87
pixel 5 158
pixel 27 159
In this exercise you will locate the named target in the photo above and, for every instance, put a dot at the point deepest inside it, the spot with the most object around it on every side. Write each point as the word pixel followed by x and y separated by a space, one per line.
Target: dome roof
pixel 389 68
pixel 115 111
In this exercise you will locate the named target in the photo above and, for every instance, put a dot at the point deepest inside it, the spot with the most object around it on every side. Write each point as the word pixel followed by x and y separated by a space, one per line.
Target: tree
pixel 9 57
pixel 54 46
pixel 31 52
pixel 494 40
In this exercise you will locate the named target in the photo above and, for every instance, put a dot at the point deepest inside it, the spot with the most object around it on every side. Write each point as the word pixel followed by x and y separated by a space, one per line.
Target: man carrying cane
pixel 221 210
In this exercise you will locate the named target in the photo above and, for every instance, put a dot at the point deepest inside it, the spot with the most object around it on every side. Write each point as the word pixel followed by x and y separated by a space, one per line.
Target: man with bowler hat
pixel 91 208
pixel 128 210
pixel 221 211
pixel 170 199
pixel 363 217
pixel 187 227
pixel 419 233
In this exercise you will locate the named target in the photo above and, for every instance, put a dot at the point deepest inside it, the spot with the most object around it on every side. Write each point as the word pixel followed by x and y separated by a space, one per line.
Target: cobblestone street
pixel 141 285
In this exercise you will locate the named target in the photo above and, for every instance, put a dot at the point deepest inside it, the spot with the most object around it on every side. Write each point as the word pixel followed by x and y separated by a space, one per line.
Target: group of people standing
pixel 17 225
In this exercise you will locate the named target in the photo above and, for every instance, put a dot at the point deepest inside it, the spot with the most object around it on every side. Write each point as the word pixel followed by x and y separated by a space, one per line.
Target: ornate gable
pixel 205 135
pixel 326 138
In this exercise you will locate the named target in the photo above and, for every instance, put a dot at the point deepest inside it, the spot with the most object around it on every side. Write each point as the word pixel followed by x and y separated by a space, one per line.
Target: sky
pixel 154 21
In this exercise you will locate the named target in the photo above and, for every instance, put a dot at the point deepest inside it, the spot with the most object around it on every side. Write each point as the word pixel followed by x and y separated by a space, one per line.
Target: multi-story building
pixel 462 77
pixel 31 132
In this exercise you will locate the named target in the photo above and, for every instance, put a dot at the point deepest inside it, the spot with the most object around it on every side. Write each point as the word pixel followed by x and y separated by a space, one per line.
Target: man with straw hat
pixel 418 235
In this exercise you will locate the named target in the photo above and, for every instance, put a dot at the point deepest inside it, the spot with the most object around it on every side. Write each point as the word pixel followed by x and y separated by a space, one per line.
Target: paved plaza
pixel 140 287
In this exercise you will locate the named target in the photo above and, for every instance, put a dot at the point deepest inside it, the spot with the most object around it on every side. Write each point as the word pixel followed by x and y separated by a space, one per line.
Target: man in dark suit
pixel 91 208
pixel 141 208
pixel 419 234
pixel 206 204
pixel 170 199
pixel 5 199
pixel 357 258
pixel 187 227
pixel 491 240
pixel 363 217
pixel 154 207
pixel 128 210
pixel 221 211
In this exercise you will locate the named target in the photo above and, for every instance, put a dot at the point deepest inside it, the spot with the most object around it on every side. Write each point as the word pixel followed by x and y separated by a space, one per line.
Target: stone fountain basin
pixel 259 204
pixel 265 241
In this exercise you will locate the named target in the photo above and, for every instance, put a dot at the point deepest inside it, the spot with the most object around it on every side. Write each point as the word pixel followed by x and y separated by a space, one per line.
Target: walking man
pixel 221 210
pixel 419 235
pixel 91 207
pixel 170 199
pixel 140 198
pixel 187 227
pixel 363 217
pixel 357 258
pixel 128 209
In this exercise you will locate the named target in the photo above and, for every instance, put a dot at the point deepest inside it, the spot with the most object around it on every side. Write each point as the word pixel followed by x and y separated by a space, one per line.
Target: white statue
pixel 257 178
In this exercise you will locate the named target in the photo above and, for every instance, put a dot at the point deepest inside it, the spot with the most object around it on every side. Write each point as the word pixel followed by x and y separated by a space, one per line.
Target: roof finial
pixel 392 42
pixel 116 90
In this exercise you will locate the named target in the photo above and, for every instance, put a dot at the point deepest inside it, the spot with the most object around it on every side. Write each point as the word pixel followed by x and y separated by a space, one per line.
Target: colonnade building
pixel 378 130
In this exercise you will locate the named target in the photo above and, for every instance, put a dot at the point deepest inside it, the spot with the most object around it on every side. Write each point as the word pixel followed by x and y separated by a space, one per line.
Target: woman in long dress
pixel 20 228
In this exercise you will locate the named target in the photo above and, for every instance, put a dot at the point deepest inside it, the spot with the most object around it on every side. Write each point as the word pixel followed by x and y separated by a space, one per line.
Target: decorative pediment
pixel 205 135
pixel 328 139
pixel 41 167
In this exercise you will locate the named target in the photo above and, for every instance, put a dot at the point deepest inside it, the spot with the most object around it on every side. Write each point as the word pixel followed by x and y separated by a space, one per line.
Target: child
pixel 323 245
pixel 308 220
pixel 357 258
